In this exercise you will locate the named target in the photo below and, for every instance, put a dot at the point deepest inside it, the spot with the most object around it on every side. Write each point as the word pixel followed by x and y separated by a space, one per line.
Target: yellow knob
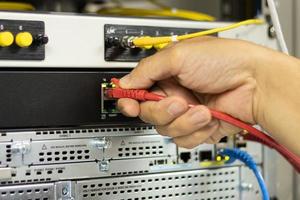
pixel 218 158
pixel 6 38
pixel 24 39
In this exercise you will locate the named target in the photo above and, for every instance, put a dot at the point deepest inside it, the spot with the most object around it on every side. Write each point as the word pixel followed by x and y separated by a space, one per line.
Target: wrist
pixel 277 75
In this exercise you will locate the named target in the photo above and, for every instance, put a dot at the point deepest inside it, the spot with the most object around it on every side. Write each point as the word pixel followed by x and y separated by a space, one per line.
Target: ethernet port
pixel 161 162
pixel 205 156
pixel 108 105
pixel 185 156
pixel 241 145
pixel 224 140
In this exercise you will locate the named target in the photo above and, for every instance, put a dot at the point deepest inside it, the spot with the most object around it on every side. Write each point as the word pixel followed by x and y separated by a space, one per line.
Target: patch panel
pixel 89 53
pixel 22 40
pixel 113 34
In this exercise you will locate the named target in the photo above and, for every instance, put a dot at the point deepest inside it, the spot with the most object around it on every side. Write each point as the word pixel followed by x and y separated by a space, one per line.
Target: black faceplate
pixel 34 52
pixel 55 99
pixel 117 53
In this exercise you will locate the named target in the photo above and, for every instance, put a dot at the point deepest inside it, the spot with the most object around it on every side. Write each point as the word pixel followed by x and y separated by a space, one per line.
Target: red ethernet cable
pixel 254 134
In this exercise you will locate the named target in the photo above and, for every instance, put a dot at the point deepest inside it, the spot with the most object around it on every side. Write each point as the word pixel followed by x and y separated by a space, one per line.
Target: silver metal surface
pixel 83 150
pixel 71 171
pixel 46 134
pixel 189 185
pixel 43 191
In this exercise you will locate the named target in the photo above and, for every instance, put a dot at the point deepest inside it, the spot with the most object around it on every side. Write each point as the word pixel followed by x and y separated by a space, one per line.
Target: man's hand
pixel 203 71
pixel 230 76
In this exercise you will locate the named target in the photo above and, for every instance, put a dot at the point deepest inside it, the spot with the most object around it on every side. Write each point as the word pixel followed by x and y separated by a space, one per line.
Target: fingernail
pixel 199 117
pixel 125 81
pixel 176 108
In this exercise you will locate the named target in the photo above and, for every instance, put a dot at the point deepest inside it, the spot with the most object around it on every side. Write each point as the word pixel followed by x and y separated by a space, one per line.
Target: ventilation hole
pixel 45 190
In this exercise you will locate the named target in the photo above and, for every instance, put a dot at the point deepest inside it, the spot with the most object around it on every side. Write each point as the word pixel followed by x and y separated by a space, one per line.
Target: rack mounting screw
pixel 104 165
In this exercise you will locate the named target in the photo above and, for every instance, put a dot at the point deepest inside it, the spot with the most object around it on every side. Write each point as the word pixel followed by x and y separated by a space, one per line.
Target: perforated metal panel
pixel 84 150
pixel 71 171
pixel 190 185
pixel 28 192
pixel 76 133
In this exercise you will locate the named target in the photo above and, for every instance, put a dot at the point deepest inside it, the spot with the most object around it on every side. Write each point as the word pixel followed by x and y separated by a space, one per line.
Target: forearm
pixel 278 109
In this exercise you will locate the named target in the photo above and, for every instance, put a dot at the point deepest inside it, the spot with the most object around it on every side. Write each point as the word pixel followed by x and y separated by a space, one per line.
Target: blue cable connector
pixel 237 154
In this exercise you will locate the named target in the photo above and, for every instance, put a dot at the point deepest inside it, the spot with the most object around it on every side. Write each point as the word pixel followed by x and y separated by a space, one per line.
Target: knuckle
pixel 177 57
pixel 173 131
pixel 148 113
pixel 162 130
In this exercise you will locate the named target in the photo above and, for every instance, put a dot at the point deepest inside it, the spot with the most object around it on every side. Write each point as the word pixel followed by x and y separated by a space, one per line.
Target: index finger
pixel 160 66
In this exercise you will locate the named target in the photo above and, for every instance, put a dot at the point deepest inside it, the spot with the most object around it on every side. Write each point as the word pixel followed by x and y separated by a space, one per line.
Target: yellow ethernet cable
pixel 166 12
pixel 16 6
pixel 148 41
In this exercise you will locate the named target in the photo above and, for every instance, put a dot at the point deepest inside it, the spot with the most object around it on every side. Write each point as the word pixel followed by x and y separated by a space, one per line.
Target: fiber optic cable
pixel 16 6
pixel 165 12
pixel 148 41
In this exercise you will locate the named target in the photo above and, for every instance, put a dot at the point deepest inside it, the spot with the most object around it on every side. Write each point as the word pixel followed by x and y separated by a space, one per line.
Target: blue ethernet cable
pixel 237 154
